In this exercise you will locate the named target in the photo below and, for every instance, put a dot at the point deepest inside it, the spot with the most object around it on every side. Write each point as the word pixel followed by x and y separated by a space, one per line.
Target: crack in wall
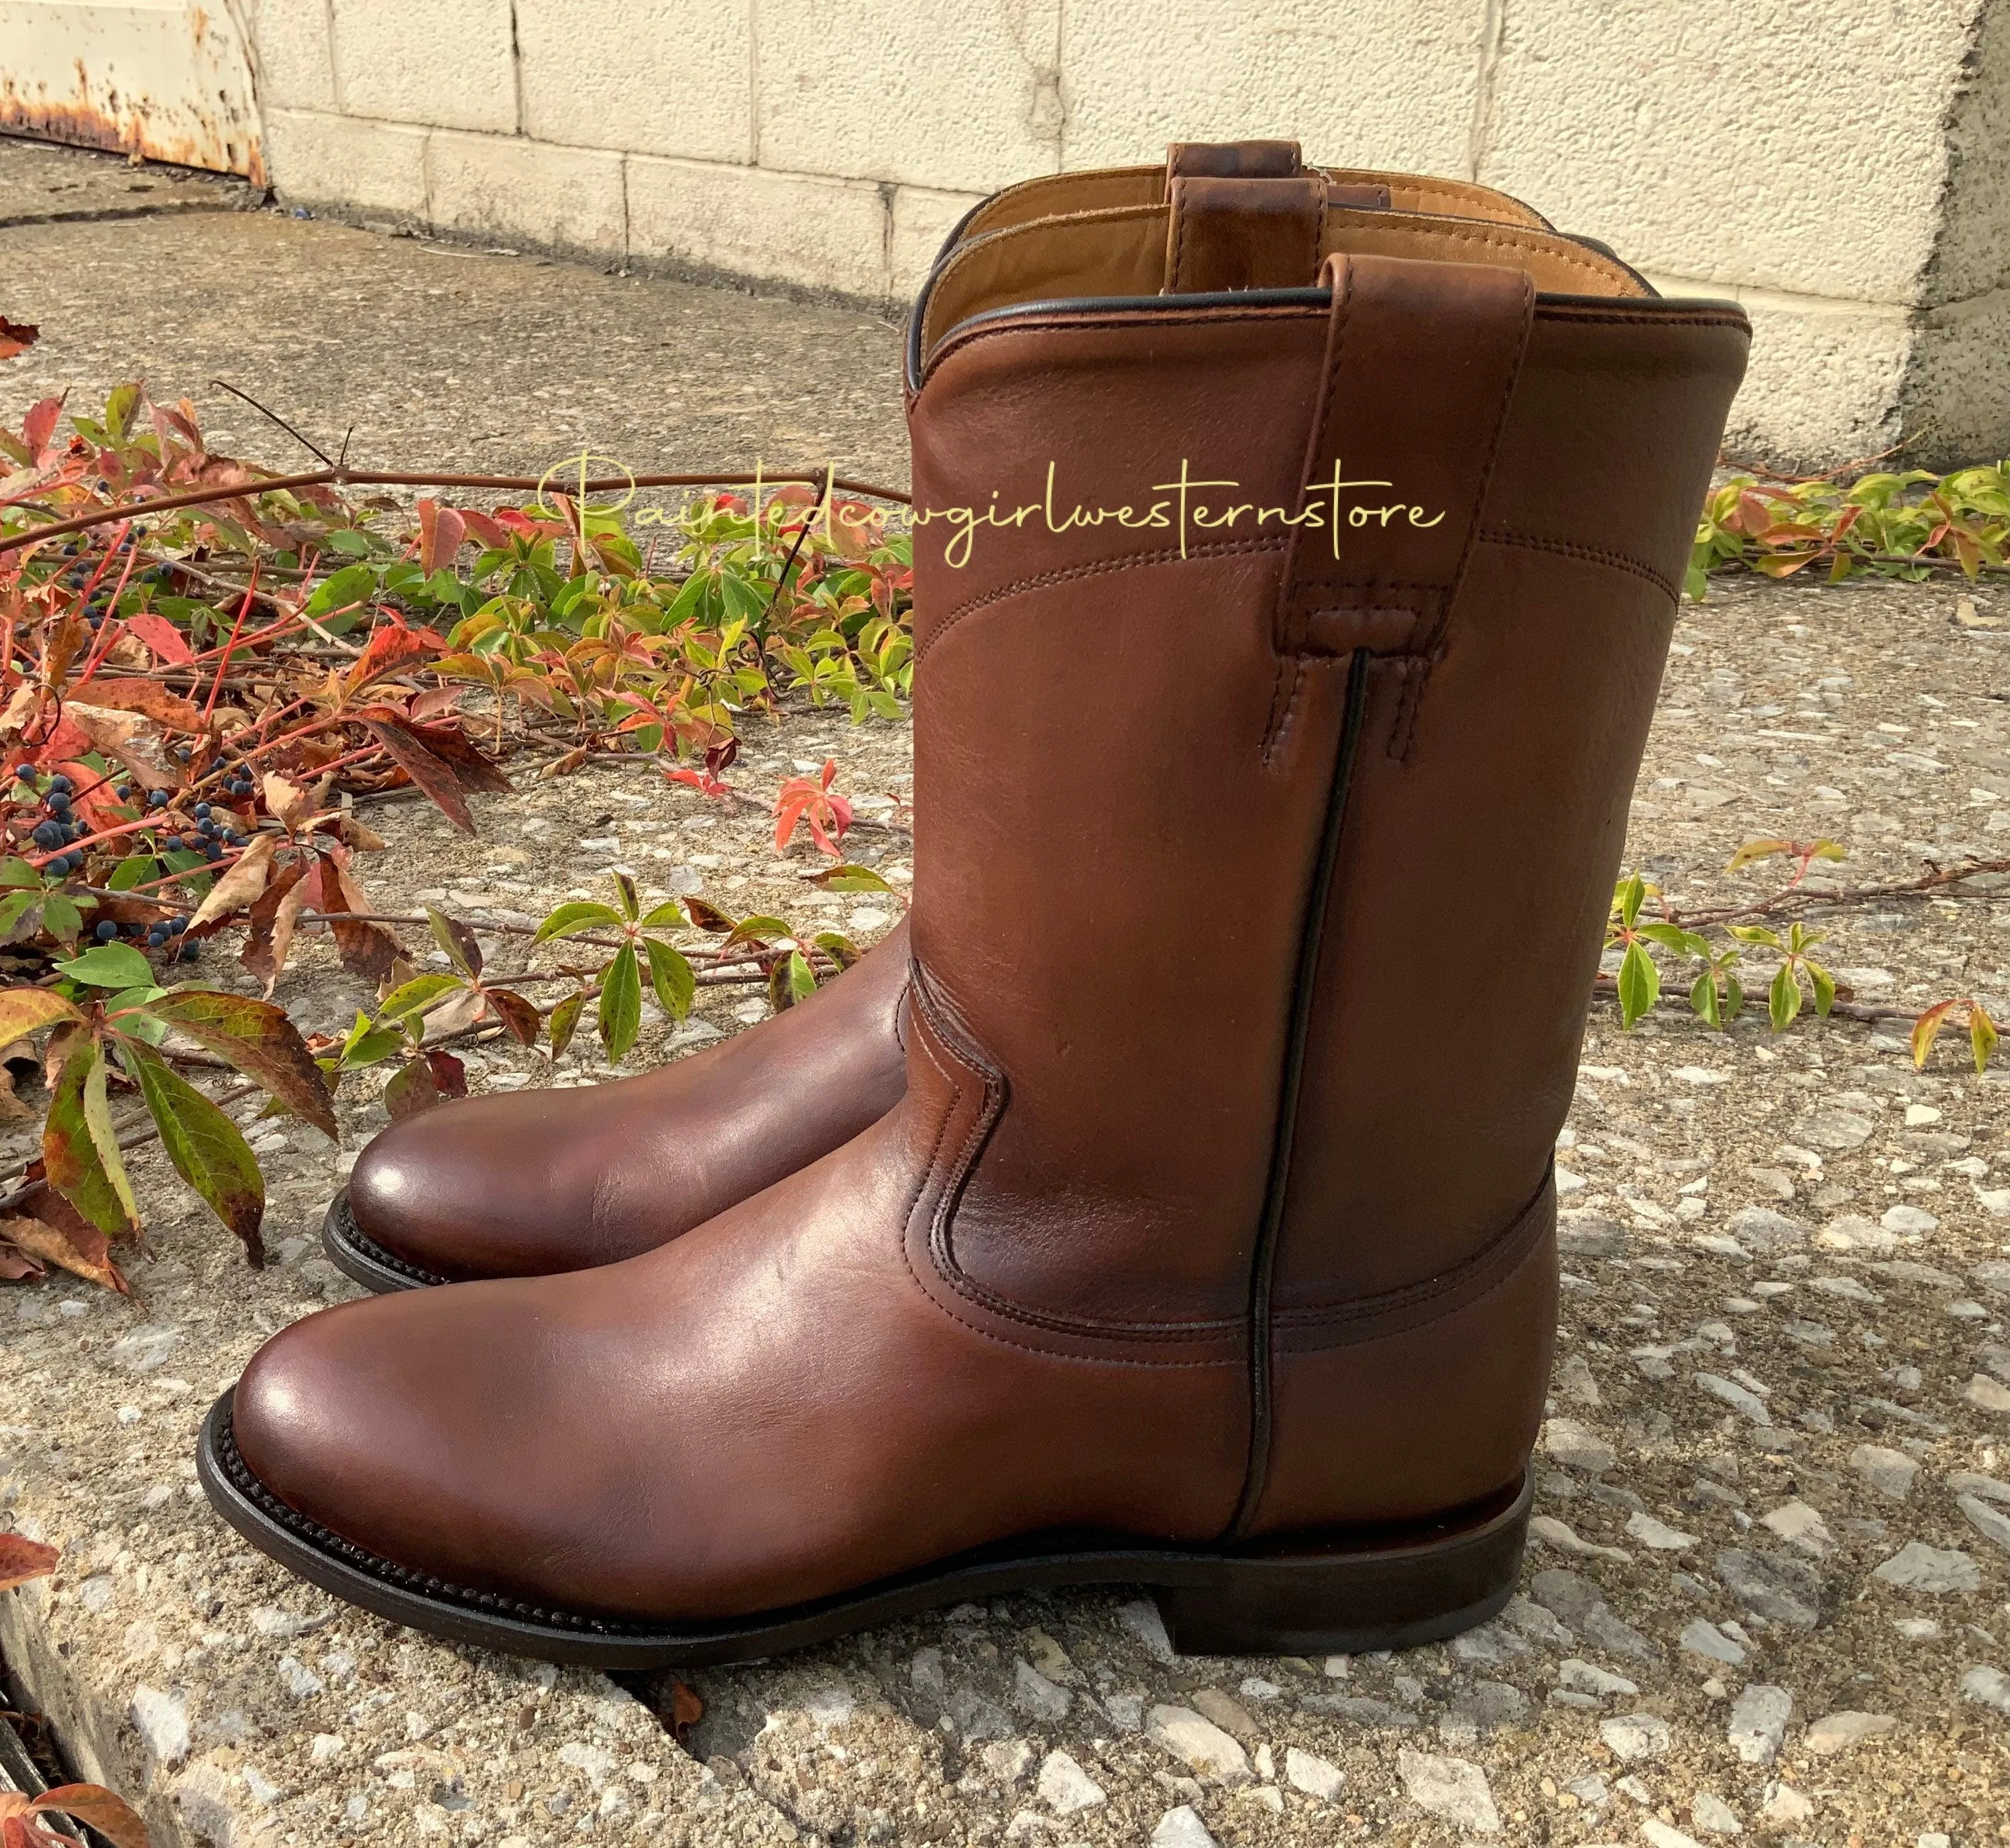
pixel 1493 32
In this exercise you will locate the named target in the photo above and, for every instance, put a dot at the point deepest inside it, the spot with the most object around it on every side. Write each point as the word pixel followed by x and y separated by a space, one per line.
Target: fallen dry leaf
pixel 241 885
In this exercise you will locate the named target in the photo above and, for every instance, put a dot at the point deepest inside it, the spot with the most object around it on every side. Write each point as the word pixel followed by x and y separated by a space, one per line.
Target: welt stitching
pixel 1359 1337
pixel 954 342
pixel 983 1298
pixel 1283 704
pixel 1596 554
pixel 1501 1250
pixel 1047 580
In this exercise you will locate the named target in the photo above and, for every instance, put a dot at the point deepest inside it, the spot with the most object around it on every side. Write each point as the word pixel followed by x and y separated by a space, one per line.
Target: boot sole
pixel 1380 1588
pixel 359 1256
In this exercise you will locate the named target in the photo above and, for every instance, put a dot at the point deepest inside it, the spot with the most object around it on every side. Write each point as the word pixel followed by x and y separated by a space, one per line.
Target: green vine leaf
pixel 80 1151
pixel 621 1004
pixel 206 1148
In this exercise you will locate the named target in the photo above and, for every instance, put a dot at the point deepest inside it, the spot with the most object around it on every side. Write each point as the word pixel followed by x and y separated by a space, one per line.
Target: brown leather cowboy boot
pixel 1194 1260
pixel 539 1181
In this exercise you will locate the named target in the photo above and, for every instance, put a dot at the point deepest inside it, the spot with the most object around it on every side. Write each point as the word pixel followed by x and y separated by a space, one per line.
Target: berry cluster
pixel 59 825
pixel 160 934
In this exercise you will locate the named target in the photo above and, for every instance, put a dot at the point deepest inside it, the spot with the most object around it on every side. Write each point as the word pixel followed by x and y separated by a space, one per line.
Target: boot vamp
pixel 769 1410
pixel 525 1183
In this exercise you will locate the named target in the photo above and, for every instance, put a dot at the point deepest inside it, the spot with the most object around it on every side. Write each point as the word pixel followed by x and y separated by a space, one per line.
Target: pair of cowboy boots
pixel 1151 1214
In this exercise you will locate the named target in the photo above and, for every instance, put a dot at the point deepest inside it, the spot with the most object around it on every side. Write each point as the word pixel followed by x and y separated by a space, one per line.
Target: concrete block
pixel 1382 84
pixel 524 192
pixel 659 76
pixel 922 221
pixel 1735 139
pixel 1972 258
pixel 363 167
pixel 961 94
pixel 1956 395
pixel 296 54
pixel 815 233
pixel 1825 380
pixel 446 62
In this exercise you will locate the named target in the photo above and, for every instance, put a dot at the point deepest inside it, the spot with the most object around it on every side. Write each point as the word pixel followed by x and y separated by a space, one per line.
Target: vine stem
pixel 349 478
pixel 1799 897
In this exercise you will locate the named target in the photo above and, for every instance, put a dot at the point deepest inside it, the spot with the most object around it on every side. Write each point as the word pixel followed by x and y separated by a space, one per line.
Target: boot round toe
pixel 448 1196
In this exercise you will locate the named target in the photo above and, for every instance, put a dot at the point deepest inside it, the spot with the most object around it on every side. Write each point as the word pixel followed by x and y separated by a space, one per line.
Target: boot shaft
pixel 1218 794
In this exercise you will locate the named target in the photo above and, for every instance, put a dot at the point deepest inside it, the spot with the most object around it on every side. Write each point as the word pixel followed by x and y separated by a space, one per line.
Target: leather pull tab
pixel 1233 160
pixel 1421 360
pixel 1243 233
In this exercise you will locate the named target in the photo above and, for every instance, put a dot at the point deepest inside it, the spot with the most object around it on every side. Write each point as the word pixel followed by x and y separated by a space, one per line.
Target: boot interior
pixel 1120 251
pixel 1113 188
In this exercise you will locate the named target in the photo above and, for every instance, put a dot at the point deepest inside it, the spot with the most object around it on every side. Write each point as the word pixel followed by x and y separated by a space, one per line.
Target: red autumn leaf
pixel 166 641
pixel 148 698
pixel 112 1817
pixel 96 797
pixel 441 531
pixel 22 1559
pixel 79 1248
pixel 515 1013
pixel 449 1074
pixel 39 426
pixel 365 949
pixel 488 534
pixel 258 1039
pixel 16 337
pixel 702 780
pixel 420 1085
pixel 392 646
pixel 432 777
pixel 807 801
pixel 271 918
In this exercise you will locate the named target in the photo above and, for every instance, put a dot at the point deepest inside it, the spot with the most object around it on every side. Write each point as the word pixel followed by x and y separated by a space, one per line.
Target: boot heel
pixel 1394 1594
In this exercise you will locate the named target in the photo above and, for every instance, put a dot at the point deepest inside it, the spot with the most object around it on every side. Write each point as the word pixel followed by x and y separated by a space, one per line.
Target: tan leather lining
pixel 1121 251
pixel 1060 195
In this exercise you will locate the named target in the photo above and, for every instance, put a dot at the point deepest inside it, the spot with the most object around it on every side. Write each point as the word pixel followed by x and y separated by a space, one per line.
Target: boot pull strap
pixel 1237 233
pixel 1420 359
pixel 1232 160
pixel 1263 160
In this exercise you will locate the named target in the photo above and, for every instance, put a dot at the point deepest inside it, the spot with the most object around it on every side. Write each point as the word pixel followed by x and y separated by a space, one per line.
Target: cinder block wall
pixel 1839 167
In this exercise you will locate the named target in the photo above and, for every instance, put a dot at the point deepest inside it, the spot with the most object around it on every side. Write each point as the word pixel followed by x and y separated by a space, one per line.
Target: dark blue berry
pixel 191 950
pixel 59 802
pixel 212 850
pixel 158 798
pixel 156 935
pixel 232 838
pixel 107 930
pixel 174 844
pixel 61 786
pixel 202 812
pixel 24 773
pixel 48 834
pixel 176 926
pixel 124 792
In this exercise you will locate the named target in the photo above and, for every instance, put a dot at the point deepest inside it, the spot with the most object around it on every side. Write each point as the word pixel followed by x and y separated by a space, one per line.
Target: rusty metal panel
pixel 169 80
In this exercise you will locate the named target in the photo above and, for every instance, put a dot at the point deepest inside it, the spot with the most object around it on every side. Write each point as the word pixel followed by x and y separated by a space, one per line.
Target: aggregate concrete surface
pixel 1769 1590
